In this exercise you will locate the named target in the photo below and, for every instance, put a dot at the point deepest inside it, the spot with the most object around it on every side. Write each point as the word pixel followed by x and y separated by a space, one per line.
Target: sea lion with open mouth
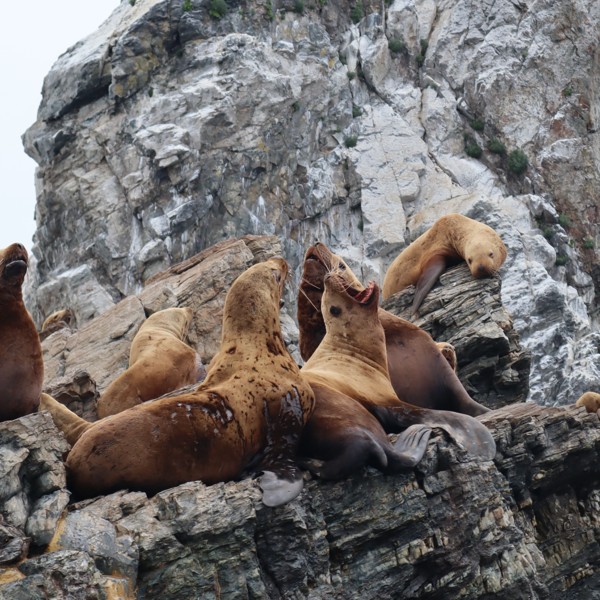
pixel 419 369
pixel 351 363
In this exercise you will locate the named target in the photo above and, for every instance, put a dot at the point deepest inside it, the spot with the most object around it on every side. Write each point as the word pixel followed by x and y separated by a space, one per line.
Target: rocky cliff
pixel 180 123
pixel 524 526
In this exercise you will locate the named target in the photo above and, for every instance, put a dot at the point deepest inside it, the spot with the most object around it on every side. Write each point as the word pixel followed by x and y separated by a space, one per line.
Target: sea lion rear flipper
pixel 430 273
pixel 467 432
pixel 71 425
pixel 410 447
pixel 278 490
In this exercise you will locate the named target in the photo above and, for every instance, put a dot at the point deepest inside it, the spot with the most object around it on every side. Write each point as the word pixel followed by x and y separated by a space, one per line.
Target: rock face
pixel 525 526
pixel 179 124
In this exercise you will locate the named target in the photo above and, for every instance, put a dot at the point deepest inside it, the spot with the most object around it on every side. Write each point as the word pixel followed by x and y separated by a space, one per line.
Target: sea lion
pixel 350 362
pixel 21 364
pixel 247 414
pixel 57 320
pixel 591 402
pixel 451 238
pixel 420 371
pixel 159 362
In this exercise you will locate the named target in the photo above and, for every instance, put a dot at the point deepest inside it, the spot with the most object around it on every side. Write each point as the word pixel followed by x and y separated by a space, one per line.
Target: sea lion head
pixel 13 266
pixel 319 260
pixel 254 299
pixel 346 307
pixel 484 254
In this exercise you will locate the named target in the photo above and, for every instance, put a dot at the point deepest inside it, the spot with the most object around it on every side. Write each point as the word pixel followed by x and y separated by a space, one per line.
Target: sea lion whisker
pixel 309 300
pixel 311 284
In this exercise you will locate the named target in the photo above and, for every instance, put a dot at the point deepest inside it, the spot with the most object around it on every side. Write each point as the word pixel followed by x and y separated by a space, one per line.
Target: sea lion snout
pixel 14 260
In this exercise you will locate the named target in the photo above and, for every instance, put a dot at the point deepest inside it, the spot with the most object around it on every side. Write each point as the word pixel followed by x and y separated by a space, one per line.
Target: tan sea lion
pixel 247 414
pixel 420 370
pixel 57 320
pixel 159 362
pixel 21 364
pixel 351 363
pixel 451 238
pixel 591 402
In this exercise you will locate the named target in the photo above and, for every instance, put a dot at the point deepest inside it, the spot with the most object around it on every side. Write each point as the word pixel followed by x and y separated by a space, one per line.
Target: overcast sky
pixel 32 36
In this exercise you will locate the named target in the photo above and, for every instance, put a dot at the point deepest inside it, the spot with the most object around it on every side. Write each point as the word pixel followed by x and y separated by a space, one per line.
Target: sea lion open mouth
pixel 365 296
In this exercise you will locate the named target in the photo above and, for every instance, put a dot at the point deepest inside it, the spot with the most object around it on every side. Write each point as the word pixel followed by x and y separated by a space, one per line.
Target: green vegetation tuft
pixel 496 146
pixel 588 243
pixel 473 149
pixel 477 124
pixel 217 9
pixel 561 260
pixel 358 12
pixel 356 111
pixel 564 221
pixel 396 45
pixel 187 5
pixel 350 141
pixel 299 6
pixel 548 232
pixel 517 162
pixel 351 75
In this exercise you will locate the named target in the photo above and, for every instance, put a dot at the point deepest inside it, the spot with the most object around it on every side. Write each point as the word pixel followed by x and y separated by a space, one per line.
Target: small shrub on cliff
pixel 472 148
pixel 561 260
pixel 356 111
pixel 564 221
pixel 187 5
pixel 350 141
pixel 496 146
pixel 358 12
pixel 396 45
pixel 299 6
pixel 588 243
pixel 517 162
pixel 477 124
pixel 217 9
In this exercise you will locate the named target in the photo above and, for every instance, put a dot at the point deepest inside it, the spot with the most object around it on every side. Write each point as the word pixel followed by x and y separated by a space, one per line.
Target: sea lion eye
pixel 335 311
pixel 491 255
pixel 342 266
pixel 276 276
pixel 469 260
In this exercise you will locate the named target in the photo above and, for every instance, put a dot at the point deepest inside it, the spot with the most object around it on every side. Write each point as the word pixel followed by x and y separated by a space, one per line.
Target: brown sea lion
pixel 351 363
pixel 591 402
pixel 420 372
pixel 159 362
pixel 451 238
pixel 247 414
pixel 21 364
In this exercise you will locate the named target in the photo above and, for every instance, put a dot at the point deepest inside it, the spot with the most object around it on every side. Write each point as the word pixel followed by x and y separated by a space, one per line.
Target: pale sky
pixel 32 36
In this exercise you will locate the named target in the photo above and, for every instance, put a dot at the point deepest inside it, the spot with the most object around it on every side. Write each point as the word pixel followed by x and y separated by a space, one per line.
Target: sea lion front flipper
pixel 410 447
pixel 277 490
pixel 281 480
pixel 430 273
